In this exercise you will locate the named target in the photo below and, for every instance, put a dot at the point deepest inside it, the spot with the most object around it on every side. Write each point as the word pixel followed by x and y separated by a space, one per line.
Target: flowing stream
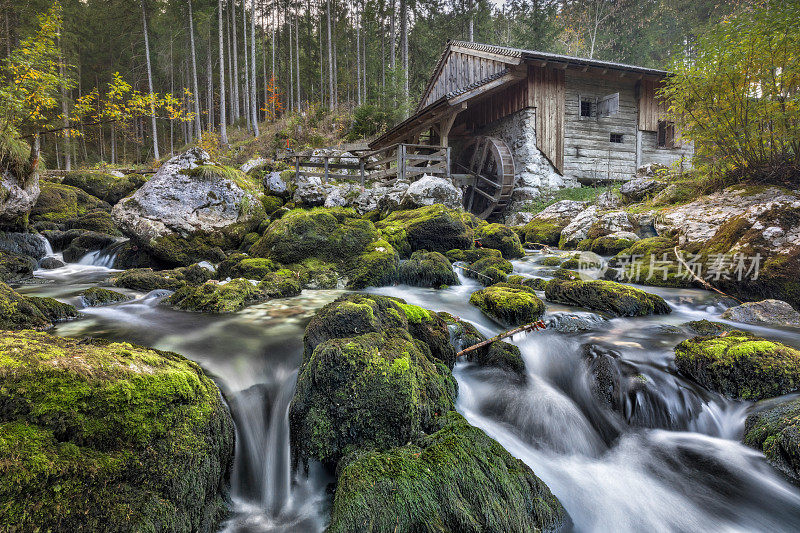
pixel 669 461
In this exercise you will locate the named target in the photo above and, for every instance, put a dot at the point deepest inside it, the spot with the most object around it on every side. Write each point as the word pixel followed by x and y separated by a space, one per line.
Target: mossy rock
pixel 706 327
pixel 244 266
pixel 177 250
pixel 471 255
pixel 433 228
pixel 489 270
pixel 52 309
pixel 427 269
pixel 271 203
pixel 455 479
pixel 539 231
pixel 649 261
pixel 20 312
pixel 216 297
pixel 775 431
pixel 537 284
pixel 97 296
pixel 281 284
pixel 315 274
pixel 14 267
pixel 740 365
pixel 59 203
pixel 336 237
pixel 100 436
pixel 376 390
pixel 498 354
pixel 500 237
pixel 377 265
pixel 147 279
pixel 607 296
pixel 106 187
pixel 97 220
pixel 610 245
pixel 131 255
pixel 551 261
pixel 509 304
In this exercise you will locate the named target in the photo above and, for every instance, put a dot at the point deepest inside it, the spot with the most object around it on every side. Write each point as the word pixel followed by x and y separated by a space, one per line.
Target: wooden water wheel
pixel 489 160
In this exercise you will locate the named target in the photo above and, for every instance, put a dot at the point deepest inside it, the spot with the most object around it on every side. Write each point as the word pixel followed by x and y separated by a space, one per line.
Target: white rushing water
pixel 669 460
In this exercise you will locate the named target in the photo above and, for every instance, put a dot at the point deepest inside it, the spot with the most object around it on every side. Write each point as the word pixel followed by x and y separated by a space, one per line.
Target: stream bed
pixel 671 460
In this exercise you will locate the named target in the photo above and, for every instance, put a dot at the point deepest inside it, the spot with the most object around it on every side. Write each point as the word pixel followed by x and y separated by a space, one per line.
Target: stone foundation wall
pixel 534 172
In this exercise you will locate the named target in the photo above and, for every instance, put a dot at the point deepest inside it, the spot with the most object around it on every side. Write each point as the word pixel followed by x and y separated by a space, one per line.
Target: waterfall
pixel 103 258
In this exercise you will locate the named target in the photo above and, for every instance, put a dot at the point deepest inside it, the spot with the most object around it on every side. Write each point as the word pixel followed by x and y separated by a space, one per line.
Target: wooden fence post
pixel 325 177
pixel 296 167
pixel 361 171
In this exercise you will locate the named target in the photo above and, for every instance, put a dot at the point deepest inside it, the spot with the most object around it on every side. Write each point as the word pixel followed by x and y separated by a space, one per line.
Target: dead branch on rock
pixel 533 326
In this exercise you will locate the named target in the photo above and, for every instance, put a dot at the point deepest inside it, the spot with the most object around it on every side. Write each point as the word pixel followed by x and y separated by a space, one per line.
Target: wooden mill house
pixel 508 123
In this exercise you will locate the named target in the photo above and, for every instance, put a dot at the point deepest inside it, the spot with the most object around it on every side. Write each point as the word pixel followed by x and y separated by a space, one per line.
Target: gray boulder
pixel 29 244
pixel 17 196
pixel 182 218
pixel 608 200
pixel 764 313
pixel 429 190
pixel 519 218
pixel 310 191
pixel 275 185
pixel 252 163
pixel 49 263
pixel 637 188
pixel 578 229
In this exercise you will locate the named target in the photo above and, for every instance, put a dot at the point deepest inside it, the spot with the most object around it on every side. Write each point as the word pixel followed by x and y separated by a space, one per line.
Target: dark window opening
pixel 666 134
pixel 616 138
pixel 586 108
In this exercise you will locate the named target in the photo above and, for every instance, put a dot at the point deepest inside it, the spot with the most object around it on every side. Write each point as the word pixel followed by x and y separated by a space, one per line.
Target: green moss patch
pixel 500 237
pixel 21 312
pixel 508 303
pixel 740 365
pixel 433 228
pixel 775 430
pixel 546 232
pixel 97 296
pixel 106 187
pixel 608 296
pixel 147 279
pixel 215 297
pixel 14 267
pixel 59 203
pixel 427 269
pixel 100 436
pixel 456 479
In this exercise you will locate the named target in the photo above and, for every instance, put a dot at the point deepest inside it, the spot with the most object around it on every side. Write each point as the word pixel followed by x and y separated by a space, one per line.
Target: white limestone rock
pixel 429 190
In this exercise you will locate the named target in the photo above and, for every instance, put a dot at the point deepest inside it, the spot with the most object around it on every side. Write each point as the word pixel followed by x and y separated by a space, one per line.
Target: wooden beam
pixel 444 128
pixel 511 60
pixel 484 89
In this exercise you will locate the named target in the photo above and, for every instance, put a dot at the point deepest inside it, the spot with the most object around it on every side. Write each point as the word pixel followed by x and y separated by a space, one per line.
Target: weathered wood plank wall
pixel 547 93
pixel 460 70
pixel 651 108
pixel 589 153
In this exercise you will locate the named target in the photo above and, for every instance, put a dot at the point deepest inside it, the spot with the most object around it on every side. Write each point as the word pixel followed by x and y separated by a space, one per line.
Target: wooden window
pixel 666 134
pixel 608 105
pixel 616 138
pixel 586 108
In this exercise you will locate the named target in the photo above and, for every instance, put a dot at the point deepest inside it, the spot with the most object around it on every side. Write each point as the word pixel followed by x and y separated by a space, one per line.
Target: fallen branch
pixel 473 271
pixel 533 326
pixel 700 280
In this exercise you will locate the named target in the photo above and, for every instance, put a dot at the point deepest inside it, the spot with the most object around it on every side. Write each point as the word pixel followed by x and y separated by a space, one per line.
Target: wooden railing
pixel 397 161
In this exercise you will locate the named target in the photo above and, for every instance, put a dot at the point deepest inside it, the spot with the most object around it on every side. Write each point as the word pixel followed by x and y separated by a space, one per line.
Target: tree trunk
pixel 171 91
pixel 332 97
pixel 253 100
pixel 297 58
pixel 64 108
pixel 358 57
pixel 290 85
pixel 392 36
pixel 404 44
pixel 150 82
pixel 210 82
pixel 196 97
pixel 246 85
pixel 223 128
pixel 237 114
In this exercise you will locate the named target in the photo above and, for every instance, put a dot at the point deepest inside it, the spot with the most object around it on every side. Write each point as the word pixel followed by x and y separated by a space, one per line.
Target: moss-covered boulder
pixel 774 429
pixel 366 381
pixel 740 365
pixel 191 210
pixel 98 220
pixel 18 311
pixel 427 269
pixel 613 243
pixel 107 187
pixel 100 436
pixel 537 284
pixel 59 203
pixel 509 304
pixel 471 255
pixel 608 296
pixel 649 261
pixel 336 237
pixel 498 354
pixel 455 479
pixel 147 279
pixel 14 267
pixel 244 266
pixel 216 297
pixel 97 296
pixel 282 283
pixel 489 270
pixel 434 228
pixel 500 237
pixel 546 232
